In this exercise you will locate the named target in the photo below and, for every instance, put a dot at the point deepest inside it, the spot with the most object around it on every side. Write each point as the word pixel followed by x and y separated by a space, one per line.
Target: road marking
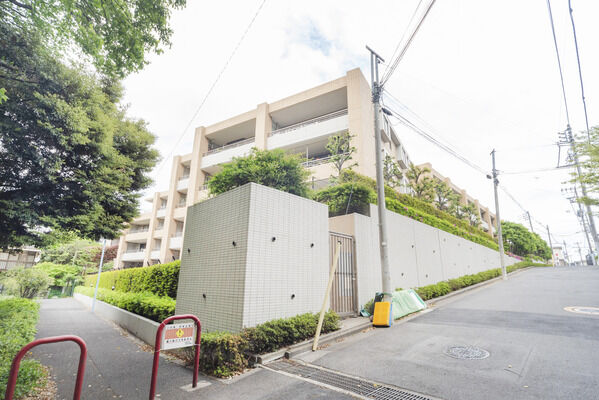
pixel 583 310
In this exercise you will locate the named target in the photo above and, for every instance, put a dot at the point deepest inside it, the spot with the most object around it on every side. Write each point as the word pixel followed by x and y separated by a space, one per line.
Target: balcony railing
pixel 177 234
pixel 141 229
pixel 183 177
pixel 230 146
pixel 309 122
pixel 318 161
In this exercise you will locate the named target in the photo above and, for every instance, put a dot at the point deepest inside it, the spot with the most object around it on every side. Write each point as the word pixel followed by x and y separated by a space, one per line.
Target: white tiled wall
pixel 419 254
pixel 253 281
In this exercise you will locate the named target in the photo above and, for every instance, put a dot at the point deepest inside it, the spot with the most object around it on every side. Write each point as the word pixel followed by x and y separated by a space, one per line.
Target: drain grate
pixel 467 352
pixel 358 386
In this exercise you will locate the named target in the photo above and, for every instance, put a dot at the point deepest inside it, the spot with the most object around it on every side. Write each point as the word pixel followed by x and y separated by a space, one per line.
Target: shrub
pixel 26 282
pixel 273 335
pixel 442 288
pixel 18 318
pixel 145 304
pixel 346 198
pixel 222 354
pixel 159 279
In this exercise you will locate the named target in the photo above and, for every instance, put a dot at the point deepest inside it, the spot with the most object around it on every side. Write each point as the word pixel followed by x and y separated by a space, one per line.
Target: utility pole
pixel 550 246
pixel 584 194
pixel 99 273
pixel 530 222
pixel 566 257
pixel 579 252
pixel 497 217
pixel 380 182
pixel 580 213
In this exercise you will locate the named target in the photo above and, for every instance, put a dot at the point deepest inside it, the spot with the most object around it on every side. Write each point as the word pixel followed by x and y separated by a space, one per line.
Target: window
pixel 162 204
pixel 182 200
pixel 142 246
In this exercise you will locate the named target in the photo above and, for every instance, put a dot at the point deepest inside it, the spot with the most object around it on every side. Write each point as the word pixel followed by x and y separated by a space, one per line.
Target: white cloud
pixel 483 74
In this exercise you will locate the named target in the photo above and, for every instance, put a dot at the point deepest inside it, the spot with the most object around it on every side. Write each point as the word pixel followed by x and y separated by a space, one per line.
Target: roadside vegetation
pixel 18 318
pixel 151 293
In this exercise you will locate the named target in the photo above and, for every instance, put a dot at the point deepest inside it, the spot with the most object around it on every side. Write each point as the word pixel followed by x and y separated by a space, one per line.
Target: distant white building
pixel 558 255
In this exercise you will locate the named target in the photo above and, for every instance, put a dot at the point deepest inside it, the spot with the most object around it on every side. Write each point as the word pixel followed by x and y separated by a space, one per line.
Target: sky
pixel 479 75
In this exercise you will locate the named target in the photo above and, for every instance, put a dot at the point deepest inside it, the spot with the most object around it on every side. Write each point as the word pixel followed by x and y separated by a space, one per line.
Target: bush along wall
pixel 222 353
pixel 18 318
pixel 148 305
pixel 159 279
pixel 445 287
pixel 445 225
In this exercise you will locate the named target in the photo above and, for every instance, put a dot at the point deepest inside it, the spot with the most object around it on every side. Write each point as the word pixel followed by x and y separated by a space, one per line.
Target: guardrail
pixel 16 362
pixel 229 146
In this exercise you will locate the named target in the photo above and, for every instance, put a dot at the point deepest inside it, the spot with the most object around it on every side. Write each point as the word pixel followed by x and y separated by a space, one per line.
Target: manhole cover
pixel 583 310
pixel 467 352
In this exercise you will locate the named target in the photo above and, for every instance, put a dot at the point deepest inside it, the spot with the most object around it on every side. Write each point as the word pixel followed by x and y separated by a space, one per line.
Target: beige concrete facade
pixel 301 123
pixel 25 257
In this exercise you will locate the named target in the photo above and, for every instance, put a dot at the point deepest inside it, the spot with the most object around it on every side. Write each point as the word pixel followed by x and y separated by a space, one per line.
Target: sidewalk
pixel 118 368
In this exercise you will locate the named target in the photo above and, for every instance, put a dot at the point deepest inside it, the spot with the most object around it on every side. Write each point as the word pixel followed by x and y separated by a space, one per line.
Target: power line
pixel 536 170
pixel 402 36
pixel 402 52
pixel 584 102
pixel 559 63
pixel 199 108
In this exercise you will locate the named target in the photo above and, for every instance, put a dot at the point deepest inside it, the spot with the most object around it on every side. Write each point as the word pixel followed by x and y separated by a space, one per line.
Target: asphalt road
pixel 118 368
pixel 537 349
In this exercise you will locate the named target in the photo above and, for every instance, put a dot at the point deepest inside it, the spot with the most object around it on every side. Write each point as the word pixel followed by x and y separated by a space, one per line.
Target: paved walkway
pixel 118 368
pixel 537 349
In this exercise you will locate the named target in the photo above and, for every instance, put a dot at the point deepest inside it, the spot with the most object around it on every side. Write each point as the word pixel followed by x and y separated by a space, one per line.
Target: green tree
pixel 456 208
pixel 26 282
pixel 522 242
pixel 346 198
pixel 69 158
pixel 341 151
pixel 391 172
pixel 421 184
pixel 80 253
pixel 588 152
pixel 274 168
pixel 471 214
pixel 62 275
pixel 443 195
pixel 116 35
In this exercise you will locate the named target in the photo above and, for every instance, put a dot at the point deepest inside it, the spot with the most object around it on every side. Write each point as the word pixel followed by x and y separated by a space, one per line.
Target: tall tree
pixel 443 195
pixel 589 160
pixel 471 214
pixel 421 184
pixel 522 242
pixel 69 158
pixel 274 168
pixel 115 35
pixel 392 172
pixel 341 151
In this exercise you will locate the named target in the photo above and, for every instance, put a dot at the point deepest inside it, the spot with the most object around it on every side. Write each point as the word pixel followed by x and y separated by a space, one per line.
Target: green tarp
pixel 406 302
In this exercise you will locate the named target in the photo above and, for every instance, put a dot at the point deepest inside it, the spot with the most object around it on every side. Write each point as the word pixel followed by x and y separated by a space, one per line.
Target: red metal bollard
pixel 157 345
pixel 16 362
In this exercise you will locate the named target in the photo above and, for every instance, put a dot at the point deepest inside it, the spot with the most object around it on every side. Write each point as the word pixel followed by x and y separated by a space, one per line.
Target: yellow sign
pixel 180 333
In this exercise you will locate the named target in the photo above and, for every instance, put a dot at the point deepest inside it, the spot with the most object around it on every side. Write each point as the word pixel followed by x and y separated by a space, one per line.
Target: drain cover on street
pixel 583 310
pixel 467 352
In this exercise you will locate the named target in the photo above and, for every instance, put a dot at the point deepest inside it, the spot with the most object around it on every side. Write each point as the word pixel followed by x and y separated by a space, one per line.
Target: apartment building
pixel 487 219
pixel 301 123
pixel 25 257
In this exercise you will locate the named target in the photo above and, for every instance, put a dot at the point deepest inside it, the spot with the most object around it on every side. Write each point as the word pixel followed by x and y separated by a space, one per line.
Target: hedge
pixel 147 305
pixel 480 238
pixel 442 288
pixel 224 354
pixel 159 279
pixel 18 318
pixel 346 198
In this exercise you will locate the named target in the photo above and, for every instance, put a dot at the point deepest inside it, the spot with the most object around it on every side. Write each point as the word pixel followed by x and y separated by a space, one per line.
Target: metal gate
pixel 343 294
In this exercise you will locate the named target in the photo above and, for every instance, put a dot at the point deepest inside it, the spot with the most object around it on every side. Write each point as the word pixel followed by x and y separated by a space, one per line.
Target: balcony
pixel 226 153
pixel 183 183
pixel 134 256
pixel 161 212
pixel 176 242
pixel 309 130
pixel 155 254
pixel 137 237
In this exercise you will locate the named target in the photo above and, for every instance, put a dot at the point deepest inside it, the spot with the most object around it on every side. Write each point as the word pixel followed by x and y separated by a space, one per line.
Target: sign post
pixel 177 336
